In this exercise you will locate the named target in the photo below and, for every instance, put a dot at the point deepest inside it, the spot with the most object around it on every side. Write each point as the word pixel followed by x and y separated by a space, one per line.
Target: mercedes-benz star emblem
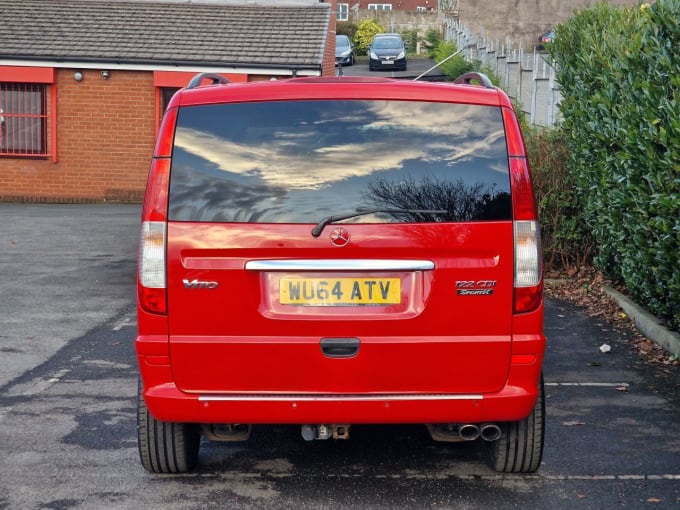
pixel 339 237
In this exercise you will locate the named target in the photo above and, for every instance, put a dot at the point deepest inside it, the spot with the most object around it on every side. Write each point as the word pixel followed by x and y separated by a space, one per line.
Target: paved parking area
pixel 67 406
pixel 65 269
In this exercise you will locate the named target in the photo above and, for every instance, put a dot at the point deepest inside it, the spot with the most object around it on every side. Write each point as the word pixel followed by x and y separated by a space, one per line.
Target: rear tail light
pixel 152 240
pixel 528 266
pixel 152 255
pixel 151 277
pixel 151 293
pixel 527 254
pixel 528 279
pixel 152 285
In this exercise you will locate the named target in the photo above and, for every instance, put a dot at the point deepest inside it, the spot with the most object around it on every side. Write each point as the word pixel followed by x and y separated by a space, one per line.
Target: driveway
pixel 415 67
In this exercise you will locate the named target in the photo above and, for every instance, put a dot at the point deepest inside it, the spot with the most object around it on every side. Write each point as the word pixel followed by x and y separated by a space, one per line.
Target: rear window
pixel 298 161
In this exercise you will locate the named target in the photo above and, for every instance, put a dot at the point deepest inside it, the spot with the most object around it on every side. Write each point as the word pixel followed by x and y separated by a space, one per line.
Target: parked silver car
pixel 344 51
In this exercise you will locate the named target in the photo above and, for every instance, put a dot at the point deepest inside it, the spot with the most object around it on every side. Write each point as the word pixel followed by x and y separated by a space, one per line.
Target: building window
pixel 23 119
pixel 380 7
pixel 342 13
pixel 166 96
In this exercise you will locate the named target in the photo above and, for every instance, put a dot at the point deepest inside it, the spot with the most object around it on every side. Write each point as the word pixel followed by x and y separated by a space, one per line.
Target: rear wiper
pixel 316 231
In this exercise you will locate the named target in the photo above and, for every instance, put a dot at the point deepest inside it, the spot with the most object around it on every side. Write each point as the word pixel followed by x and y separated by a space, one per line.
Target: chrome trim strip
pixel 331 398
pixel 339 265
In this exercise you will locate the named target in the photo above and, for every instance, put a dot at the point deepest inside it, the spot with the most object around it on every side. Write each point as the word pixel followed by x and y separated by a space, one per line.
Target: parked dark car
pixel 544 39
pixel 344 51
pixel 387 51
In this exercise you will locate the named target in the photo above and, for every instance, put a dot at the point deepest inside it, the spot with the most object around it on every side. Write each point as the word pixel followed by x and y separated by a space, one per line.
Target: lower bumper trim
pixel 333 398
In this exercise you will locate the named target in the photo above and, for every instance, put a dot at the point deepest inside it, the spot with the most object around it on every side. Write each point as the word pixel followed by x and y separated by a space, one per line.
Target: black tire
pixel 520 447
pixel 165 447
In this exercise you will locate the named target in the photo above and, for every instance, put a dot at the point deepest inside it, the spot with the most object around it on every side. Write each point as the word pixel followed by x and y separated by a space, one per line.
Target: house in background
pixel 344 9
pixel 83 83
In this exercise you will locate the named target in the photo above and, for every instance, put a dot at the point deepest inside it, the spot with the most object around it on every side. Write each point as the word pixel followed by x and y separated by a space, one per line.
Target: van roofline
pixel 342 88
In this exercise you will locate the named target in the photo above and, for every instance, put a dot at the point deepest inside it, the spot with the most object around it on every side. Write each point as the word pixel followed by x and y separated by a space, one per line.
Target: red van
pixel 336 251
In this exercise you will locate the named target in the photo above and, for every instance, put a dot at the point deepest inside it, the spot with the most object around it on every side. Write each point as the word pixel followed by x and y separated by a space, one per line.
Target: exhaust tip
pixel 468 432
pixel 490 432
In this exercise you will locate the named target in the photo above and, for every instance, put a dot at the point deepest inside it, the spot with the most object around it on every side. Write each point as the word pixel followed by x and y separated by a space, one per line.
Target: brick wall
pixel 328 66
pixel 105 134
pixel 105 137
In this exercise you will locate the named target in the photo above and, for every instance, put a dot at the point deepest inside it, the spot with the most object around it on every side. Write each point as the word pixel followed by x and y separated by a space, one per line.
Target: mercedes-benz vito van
pixel 327 252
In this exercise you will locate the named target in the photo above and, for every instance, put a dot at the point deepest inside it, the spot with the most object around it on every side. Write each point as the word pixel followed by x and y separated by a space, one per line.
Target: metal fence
pixel 528 78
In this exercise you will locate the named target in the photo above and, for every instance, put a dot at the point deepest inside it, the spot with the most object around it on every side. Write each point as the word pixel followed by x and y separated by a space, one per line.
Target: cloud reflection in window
pixel 298 161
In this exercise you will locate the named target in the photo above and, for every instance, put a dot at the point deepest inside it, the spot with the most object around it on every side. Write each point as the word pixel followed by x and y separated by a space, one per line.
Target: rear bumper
pixel 167 403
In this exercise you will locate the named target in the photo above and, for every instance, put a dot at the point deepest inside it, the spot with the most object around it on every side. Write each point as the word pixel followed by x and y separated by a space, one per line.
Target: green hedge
pixel 567 241
pixel 619 73
pixel 363 36
pixel 455 66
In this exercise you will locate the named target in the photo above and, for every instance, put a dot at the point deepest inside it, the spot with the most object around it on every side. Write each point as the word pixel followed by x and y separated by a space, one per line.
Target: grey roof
pixel 129 32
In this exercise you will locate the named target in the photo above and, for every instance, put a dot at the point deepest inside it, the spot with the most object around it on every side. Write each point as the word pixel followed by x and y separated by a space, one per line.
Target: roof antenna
pixel 442 61
pixel 437 65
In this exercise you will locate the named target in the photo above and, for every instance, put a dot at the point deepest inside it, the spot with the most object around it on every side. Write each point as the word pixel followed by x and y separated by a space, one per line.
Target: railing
pixel 528 78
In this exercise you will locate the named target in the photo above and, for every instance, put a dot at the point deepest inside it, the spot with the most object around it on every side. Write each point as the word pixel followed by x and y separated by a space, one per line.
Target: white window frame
pixel 342 12
pixel 380 7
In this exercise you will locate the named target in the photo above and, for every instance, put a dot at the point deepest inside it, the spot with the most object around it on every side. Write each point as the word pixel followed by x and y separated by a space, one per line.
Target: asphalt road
pixel 67 406
pixel 415 67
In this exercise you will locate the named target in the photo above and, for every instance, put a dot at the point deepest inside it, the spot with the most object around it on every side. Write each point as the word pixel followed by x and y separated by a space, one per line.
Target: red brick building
pixel 83 83
pixel 345 8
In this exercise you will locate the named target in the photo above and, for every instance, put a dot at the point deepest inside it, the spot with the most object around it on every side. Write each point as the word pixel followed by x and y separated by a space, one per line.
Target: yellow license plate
pixel 339 291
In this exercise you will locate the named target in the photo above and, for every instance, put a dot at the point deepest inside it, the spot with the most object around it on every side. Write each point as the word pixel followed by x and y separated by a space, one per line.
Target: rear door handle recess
pixel 340 347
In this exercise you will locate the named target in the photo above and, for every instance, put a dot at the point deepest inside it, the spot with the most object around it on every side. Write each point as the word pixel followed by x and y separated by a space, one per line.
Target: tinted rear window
pixel 298 161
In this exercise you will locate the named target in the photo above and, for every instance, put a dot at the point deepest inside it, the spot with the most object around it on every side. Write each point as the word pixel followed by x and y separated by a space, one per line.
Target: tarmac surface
pixel 65 269
pixel 68 386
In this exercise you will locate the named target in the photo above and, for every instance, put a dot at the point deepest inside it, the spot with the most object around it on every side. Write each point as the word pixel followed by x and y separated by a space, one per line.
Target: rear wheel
pixel 165 447
pixel 520 447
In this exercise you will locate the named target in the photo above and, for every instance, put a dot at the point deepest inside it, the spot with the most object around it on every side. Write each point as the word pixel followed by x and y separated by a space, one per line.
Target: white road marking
pixel 445 476
pixel 43 384
pixel 500 477
pixel 590 384
pixel 125 320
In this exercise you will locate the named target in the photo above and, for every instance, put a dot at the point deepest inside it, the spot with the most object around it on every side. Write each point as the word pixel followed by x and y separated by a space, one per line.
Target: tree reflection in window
pixel 463 202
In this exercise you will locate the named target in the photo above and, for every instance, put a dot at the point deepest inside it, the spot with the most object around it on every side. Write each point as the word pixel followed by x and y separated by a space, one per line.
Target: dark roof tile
pixel 156 32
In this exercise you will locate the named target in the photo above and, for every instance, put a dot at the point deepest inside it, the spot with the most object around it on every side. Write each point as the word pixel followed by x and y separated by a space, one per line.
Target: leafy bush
pixel 618 69
pixel 346 28
pixel 431 40
pixel 411 39
pixel 455 66
pixel 567 242
pixel 365 32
